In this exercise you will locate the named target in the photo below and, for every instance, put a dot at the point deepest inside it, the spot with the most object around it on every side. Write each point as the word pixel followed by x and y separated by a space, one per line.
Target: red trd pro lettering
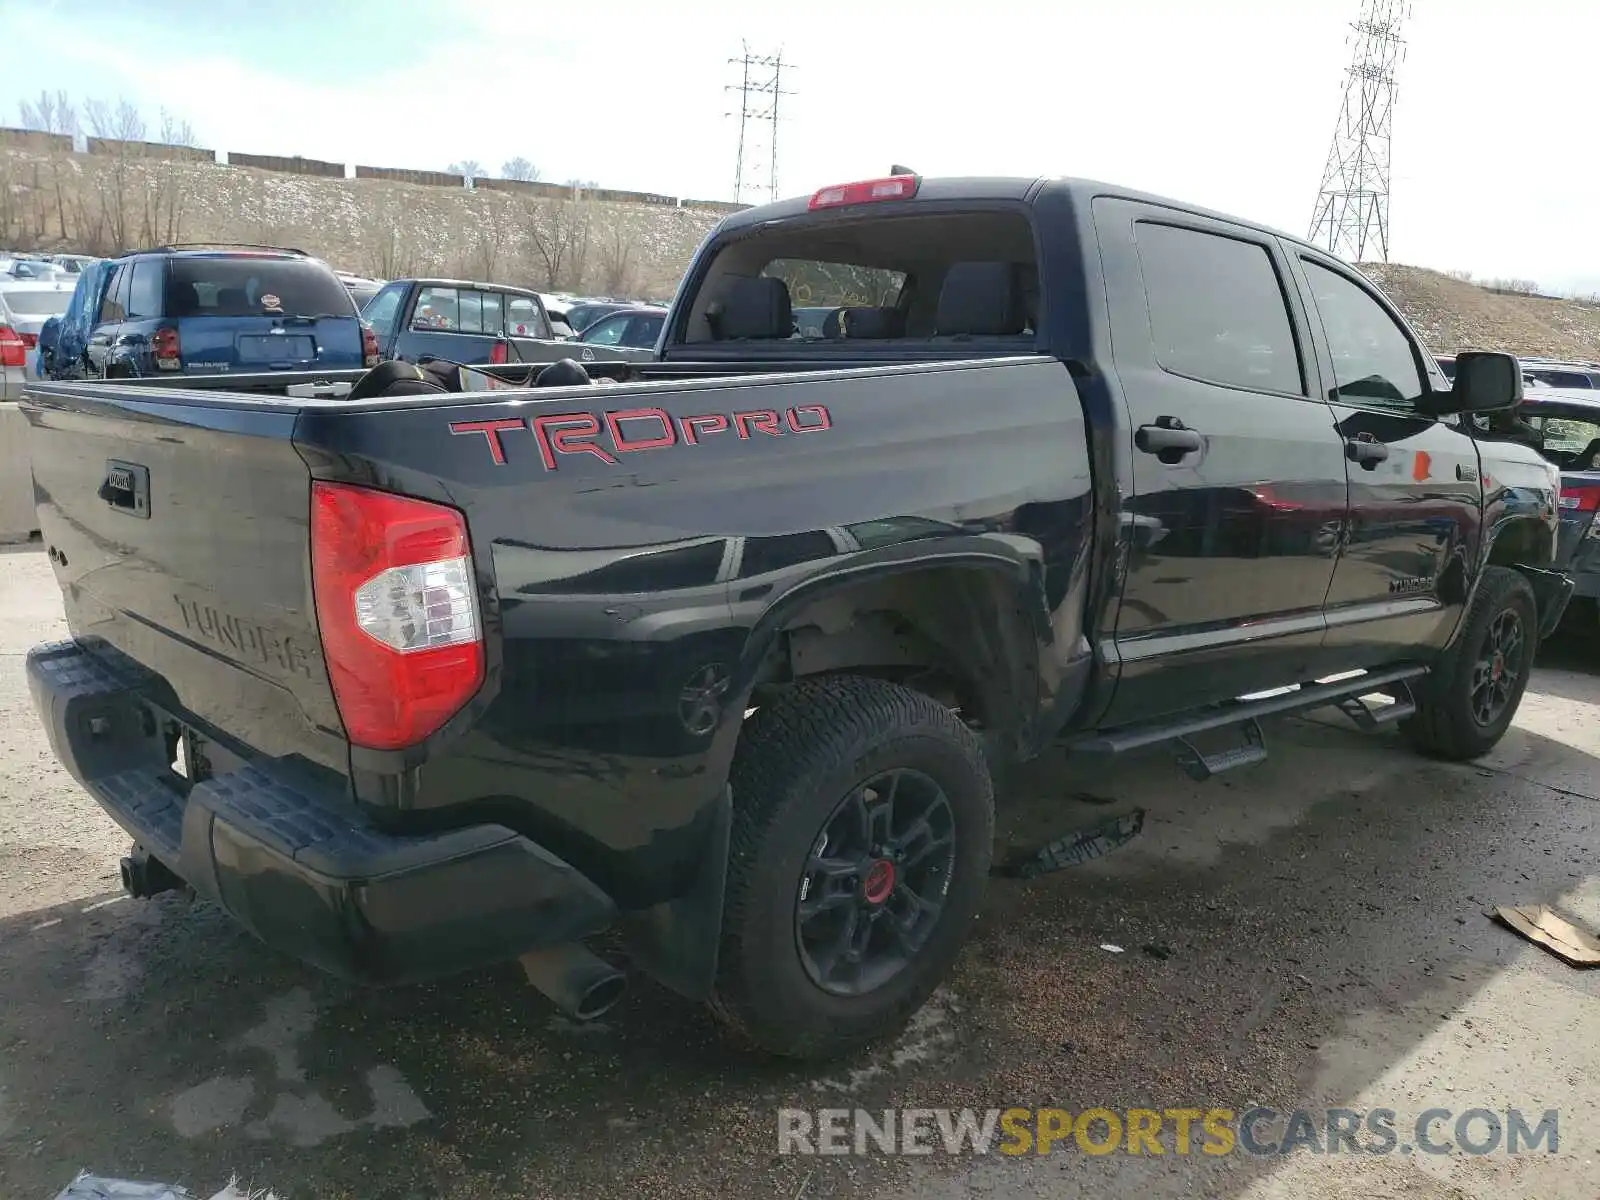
pixel 618 432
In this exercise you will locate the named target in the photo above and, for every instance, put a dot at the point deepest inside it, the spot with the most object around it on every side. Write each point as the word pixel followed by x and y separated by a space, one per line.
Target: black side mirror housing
pixel 1485 382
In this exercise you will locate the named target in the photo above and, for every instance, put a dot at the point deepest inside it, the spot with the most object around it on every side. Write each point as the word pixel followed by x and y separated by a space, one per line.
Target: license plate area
pixel 274 348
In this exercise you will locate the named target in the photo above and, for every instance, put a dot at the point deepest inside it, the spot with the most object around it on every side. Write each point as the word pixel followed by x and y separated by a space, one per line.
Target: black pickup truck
pixel 725 658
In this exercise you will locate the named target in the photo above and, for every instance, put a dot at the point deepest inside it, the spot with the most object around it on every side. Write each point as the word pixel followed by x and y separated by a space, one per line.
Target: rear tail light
pixel 13 350
pixel 895 187
pixel 30 340
pixel 397 607
pixel 498 354
pixel 1580 499
pixel 168 353
pixel 369 345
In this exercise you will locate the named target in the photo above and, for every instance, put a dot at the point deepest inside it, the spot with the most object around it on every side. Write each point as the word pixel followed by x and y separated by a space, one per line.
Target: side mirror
pixel 1485 382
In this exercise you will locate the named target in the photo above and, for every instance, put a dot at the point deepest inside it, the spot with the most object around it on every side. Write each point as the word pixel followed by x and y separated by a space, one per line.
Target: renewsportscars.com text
pixel 1148 1131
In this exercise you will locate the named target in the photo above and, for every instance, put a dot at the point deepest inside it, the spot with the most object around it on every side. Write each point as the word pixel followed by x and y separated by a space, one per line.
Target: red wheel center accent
pixel 1499 667
pixel 879 881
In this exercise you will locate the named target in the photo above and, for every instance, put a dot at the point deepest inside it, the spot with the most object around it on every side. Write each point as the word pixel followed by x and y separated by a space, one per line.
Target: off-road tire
pixel 1445 726
pixel 799 757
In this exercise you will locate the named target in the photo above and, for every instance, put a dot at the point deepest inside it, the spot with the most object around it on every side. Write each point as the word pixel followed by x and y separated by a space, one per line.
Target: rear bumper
pixel 278 845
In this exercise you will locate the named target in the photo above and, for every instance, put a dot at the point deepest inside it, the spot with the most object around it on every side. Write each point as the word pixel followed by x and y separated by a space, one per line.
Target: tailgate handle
pixel 127 488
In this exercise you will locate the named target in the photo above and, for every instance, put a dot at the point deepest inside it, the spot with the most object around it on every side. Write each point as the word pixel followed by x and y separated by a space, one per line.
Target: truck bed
pixel 630 544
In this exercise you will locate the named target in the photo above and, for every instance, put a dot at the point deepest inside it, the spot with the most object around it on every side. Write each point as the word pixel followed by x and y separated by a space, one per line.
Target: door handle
pixel 1168 437
pixel 1369 454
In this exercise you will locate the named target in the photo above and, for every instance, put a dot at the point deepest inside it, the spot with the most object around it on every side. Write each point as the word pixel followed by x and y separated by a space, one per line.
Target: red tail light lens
pixel 369 345
pixel 168 353
pixel 13 351
pixel 30 340
pixel 397 607
pixel 498 354
pixel 1580 499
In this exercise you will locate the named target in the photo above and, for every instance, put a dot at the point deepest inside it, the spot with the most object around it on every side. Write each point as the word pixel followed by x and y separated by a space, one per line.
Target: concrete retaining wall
pixel 17 518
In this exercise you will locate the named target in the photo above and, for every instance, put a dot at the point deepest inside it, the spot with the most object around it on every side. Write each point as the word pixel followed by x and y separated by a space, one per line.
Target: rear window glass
pixel 38 303
pixel 953 276
pixel 254 287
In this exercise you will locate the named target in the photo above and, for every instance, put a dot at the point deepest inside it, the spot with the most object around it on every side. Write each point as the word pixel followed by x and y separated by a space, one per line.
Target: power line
pixel 760 88
pixel 1352 214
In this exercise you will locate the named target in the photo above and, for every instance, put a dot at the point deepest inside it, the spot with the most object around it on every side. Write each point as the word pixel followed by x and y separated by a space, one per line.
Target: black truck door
pixel 1416 498
pixel 1234 494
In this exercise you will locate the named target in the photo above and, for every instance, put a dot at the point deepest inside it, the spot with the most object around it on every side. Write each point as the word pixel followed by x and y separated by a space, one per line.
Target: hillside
pixel 123 196
pixel 105 203
pixel 1452 315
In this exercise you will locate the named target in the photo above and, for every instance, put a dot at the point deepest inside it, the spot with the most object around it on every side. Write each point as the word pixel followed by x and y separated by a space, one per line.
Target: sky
pixel 1226 103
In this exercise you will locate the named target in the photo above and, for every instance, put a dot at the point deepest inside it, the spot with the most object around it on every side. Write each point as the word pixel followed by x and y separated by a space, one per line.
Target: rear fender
pixel 999 651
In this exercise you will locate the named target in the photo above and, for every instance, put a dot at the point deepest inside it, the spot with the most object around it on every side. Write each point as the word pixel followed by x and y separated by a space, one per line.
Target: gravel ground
pixel 1305 934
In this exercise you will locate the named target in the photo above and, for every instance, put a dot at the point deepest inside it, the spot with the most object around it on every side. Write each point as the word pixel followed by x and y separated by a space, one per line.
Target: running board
pixel 1246 714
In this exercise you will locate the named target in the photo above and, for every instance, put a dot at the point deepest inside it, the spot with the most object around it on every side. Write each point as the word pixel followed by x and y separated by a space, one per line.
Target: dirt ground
pixel 1304 934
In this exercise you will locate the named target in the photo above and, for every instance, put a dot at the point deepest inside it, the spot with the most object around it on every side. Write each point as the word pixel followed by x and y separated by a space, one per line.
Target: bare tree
pixel 519 168
pixel 559 234
pixel 618 249
pixel 121 122
pixel 176 131
pixel 470 167
pixel 51 113
pixel 489 240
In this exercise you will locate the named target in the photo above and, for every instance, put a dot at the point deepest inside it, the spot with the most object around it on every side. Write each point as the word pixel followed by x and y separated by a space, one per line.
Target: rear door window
pixel 1218 312
pixel 254 287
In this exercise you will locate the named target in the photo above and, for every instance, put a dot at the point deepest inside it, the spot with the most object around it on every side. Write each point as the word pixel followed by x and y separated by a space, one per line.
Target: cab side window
pixel 1374 361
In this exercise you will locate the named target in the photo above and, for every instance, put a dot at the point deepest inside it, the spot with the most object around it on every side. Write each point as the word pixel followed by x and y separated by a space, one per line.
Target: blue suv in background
pixel 209 311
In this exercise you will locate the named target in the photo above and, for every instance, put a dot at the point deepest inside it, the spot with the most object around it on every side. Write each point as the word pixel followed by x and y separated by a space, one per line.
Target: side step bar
pixel 1346 694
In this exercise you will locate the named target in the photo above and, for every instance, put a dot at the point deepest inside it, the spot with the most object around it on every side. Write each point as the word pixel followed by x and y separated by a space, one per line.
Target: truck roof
pixel 432 281
pixel 1002 187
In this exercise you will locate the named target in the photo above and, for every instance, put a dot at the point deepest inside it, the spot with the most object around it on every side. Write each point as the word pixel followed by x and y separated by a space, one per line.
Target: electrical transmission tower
pixel 760 88
pixel 1352 214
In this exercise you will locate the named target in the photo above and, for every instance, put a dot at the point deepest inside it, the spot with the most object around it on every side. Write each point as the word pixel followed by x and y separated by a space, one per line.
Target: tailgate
pixel 178 528
pixel 217 344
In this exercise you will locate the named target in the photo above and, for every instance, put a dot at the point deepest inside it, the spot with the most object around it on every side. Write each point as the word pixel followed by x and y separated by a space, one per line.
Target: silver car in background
pixel 25 305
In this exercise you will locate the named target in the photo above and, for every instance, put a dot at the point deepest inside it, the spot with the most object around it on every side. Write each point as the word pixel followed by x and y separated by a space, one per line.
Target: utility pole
pixel 760 87
pixel 1352 213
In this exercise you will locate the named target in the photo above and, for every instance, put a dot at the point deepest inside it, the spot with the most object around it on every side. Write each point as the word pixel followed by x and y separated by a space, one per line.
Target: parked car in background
pixel 32 268
pixel 1557 374
pixel 1566 422
pixel 25 305
pixel 558 310
pixel 1447 365
pixel 630 332
pixel 465 321
pixel 209 311
pixel 361 288
pixel 581 316
pixel 72 264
